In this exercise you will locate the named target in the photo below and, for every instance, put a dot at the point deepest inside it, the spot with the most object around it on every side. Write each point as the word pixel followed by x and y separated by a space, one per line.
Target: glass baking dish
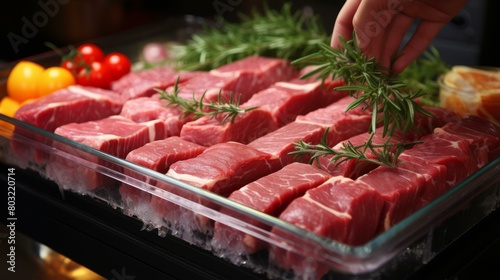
pixel 399 251
pixel 402 249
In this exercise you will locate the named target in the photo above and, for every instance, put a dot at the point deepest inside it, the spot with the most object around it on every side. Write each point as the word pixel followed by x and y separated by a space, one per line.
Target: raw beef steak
pixel 115 135
pixel 73 104
pixel 340 209
pixel 208 131
pixel 144 83
pixel 158 156
pixel 220 169
pixel 144 109
pixel 240 79
pixel 281 142
pixel 270 195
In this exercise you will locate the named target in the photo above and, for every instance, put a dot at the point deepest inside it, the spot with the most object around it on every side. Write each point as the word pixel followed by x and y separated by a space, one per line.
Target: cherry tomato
pixel 118 63
pixel 98 75
pixel 22 83
pixel 71 66
pixel 88 53
pixel 54 78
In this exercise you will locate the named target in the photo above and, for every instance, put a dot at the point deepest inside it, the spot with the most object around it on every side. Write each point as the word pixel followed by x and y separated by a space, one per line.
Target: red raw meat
pixel 270 195
pixel 158 156
pixel 143 83
pixel 115 135
pixel 425 125
pixel 144 109
pixel 481 134
pixel 208 131
pixel 73 104
pixel 286 100
pixel 310 129
pixel 340 209
pixel 242 78
pixel 401 190
pixel 280 142
pixel 353 168
pixel 277 106
pixel 449 150
pixel 221 169
pixel 342 124
pixel 434 177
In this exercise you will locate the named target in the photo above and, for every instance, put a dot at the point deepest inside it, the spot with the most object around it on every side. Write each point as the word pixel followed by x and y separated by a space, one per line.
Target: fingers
pixel 395 34
pixel 374 25
pixel 343 24
pixel 421 39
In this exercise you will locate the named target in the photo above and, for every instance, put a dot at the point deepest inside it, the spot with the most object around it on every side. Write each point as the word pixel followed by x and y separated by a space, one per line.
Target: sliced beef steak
pixel 353 168
pixel 158 156
pixel 451 151
pixel 220 169
pixel 341 123
pixel 434 176
pixel 340 209
pixel 288 99
pixel 208 131
pixel 144 83
pixel 241 79
pixel 144 109
pixel 269 194
pixel 74 104
pixel 401 190
pixel 281 142
pixel 481 134
pixel 276 106
pixel 115 135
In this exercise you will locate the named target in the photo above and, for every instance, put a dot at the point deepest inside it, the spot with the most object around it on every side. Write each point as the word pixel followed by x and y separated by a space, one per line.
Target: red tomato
pixel 89 53
pixel 71 66
pixel 118 63
pixel 99 75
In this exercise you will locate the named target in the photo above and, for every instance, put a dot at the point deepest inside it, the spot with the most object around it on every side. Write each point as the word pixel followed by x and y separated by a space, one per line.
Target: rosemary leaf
pixel 197 108
pixel 274 33
pixel 385 154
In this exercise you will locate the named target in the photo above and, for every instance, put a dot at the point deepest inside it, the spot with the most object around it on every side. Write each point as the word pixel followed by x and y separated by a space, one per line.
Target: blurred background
pixel 27 25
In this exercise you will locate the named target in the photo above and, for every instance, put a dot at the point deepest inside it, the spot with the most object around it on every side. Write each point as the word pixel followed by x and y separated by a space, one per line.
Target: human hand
pixel 380 26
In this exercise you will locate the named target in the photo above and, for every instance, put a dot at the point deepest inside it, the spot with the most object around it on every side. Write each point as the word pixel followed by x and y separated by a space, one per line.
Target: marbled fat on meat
pixel 280 142
pixel 288 99
pixel 144 109
pixel 269 194
pixel 143 83
pixel 248 126
pixel 220 169
pixel 339 209
pixel 241 79
pixel 158 156
pixel 115 135
pixel 74 104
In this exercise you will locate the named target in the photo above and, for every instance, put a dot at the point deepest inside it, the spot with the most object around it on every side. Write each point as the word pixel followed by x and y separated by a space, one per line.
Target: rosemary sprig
pixel 197 108
pixel 385 154
pixel 274 33
pixel 393 105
